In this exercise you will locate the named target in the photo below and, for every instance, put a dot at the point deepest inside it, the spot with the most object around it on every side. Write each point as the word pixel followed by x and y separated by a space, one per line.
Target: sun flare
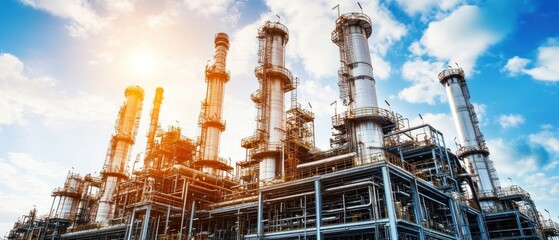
pixel 143 63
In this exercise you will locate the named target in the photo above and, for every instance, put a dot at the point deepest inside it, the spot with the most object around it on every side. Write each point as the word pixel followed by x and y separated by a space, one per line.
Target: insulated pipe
pixel 234 201
pixel 119 149
pixel 327 160
pixel 349 186
pixel 154 119
pixel 194 172
pixel 473 148
pixel 211 122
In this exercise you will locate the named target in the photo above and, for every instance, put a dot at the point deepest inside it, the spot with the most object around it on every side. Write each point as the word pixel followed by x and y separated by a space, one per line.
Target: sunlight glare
pixel 143 63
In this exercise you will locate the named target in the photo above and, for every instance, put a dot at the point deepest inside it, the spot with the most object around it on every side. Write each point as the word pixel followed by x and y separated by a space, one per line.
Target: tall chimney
pixel 357 84
pixel 154 119
pixel 472 143
pixel 114 170
pixel 210 119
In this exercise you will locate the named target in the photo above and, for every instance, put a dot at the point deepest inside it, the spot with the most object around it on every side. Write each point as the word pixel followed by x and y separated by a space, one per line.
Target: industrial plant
pixel 381 178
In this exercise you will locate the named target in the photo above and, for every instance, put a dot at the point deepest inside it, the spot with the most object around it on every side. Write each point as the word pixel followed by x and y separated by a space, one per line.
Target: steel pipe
pixel 327 160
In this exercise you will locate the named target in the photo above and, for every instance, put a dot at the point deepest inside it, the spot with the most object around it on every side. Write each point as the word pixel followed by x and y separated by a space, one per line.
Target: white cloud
pixel 227 10
pixel 508 161
pixel 481 112
pixel 208 7
pixel 25 180
pixel 102 57
pixel 541 187
pixel 319 95
pixel 24 97
pixel 548 140
pixel 515 65
pixel 120 6
pixel 84 20
pixel 547 64
pixel 425 85
pixel 242 56
pixel 510 120
pixel 424 7
pixel 537 179
pixel 381 67
pixel 461 37
pixel 163 19
pixel 468 32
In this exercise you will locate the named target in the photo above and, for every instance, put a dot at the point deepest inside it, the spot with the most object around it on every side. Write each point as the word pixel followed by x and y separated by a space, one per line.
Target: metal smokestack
pixel 357 85
pixel 210 121
pixel 154 119
pixel 473 148
pixel 119 148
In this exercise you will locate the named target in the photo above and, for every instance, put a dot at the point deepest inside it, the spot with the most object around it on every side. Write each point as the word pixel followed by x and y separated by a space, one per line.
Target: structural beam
pixel 318 206
pixel 389 203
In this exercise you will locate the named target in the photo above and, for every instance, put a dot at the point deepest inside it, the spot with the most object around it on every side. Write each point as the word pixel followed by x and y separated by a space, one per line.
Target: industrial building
pixel 380 179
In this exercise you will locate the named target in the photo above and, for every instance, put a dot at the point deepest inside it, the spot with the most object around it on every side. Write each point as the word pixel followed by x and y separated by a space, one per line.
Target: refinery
pixel 381 178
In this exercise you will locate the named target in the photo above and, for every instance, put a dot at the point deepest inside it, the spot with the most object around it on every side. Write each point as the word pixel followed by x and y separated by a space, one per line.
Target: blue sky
pixel 64 66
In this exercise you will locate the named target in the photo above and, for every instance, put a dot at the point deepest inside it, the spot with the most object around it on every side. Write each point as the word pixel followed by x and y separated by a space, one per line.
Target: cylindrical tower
pixel 210 121
pixel 68 197
pixel 275 80
pixel 119 148
pixel 357 85
pixel 473 148
pixel 154 119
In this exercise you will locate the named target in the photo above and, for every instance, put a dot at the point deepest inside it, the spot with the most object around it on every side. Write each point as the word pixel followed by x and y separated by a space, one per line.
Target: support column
pixel 318 208
pixel 131 228
pixel 146 222
pixel 191 219
pixel 481 224
pixel 389 203
pixel 454 214
pixel 167 219
pixel 519 224
pixel 185 197
pixel 417 208
pixel 259 228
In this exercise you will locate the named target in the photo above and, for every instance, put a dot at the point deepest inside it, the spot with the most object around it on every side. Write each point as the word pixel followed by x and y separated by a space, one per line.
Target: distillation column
pixel 357 85
pixel 275 80
pixel 153 126
pixel 154 121
pixel 114 170
pixel 210 121
pixel 69 196
pixel 473 148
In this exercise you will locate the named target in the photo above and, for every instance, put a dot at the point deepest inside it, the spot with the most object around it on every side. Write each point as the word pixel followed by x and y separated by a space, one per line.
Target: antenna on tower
pixel 360 7
pixel 279 18
pixel 338 7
